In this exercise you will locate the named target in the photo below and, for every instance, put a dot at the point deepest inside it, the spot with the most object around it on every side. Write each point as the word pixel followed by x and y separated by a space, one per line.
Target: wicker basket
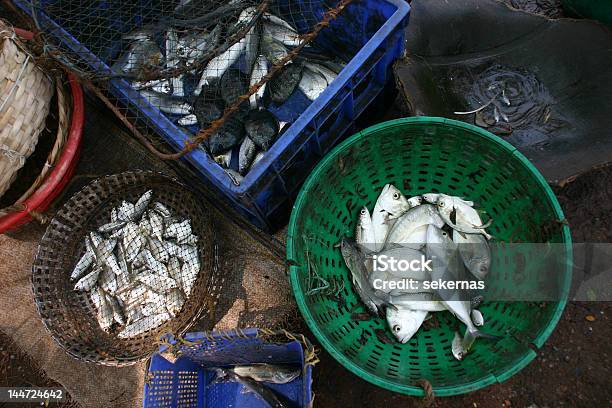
pixel 69 315
pixel 25 99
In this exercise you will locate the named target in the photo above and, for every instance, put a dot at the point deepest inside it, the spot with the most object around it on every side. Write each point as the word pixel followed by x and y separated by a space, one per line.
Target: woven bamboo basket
pixel 70 316
pixel 25 101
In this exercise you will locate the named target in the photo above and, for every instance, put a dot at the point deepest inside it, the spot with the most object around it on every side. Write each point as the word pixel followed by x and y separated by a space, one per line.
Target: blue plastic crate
pixel 370 30
pixel 187 383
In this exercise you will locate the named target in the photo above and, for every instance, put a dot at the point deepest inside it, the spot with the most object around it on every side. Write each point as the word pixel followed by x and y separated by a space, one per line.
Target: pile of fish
pixel 197 97
pixel 444 229
pixel 139 268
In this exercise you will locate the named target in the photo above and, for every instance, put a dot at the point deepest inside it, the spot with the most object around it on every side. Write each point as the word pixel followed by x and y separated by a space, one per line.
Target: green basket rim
pixel 488 378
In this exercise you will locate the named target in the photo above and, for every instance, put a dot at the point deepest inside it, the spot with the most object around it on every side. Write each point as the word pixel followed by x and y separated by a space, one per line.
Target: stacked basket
pixel 28 96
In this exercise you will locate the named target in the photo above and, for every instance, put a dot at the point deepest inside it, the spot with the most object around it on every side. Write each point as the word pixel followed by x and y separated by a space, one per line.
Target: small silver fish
pixel 125 212
pixel 87 282
pixel 105 314
pixel 312 84
pixel 246 155
pixel 404 229
pixel 270 373
pixel 461 217
pixel 133 241
pixel 153 264
pixel 145 324
pixel 81 266
pixel 141 205
pixel 189 274
pixel 116 308
pixel 161 209
pixel 108 281
pixel 259 71
pixel 157 225
pixel 188 120
pixel 167 103
pixel 157 282
pixel 286 36
pixel 157 249
pixel 475 252
pixel 174 301
pixel 364 232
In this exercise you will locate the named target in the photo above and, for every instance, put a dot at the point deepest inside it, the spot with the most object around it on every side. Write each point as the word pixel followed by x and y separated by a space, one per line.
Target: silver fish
pixel 143 325
pixel 364 232
pixel 312 84
pixel 445 263
pixel 404 323
pixel 375 301
pixel 270 373
pixel 461 217
pixel 278 21
pixel 105 314
pixel 133 241
pixel 166 103
pixel 260 155
pixel 163 86
pixel 141 205
pixel 403 230
pixel 174 269
pixel 188 120
pixel 327 73
pixel 125 212
pixel 172 248
pixel 113 215
pixel 174 301
pixel 196 44
pixel 87 282
pixel 180 231
pixel 153 264
pixel 259 71
pixel 111 226
pixel 157 249
pixel 161 209
pixel 218 65
pixel 81 266
pixel 286 36
pixel 432 198
pixel 157 225
pixel 116 308
pixel 108 281
pixel 141 54
pixel 157 282
pixel 392 201
pixel 247 153
pixel 189 274
pixel 475 252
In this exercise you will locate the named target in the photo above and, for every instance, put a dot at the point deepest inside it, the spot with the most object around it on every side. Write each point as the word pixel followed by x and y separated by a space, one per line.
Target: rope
pixel 429 397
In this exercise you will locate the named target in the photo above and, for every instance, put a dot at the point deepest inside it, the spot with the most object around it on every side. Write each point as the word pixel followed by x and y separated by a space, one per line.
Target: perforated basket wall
pixel 421 155
pixel 70 315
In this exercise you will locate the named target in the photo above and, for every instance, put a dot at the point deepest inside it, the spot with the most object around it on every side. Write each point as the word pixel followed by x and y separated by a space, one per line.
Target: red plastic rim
pixel 60 175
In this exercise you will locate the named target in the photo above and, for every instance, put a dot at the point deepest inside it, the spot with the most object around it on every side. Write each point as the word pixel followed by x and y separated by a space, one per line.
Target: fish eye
pixel 363 211
pixel 396 328
pixel 440 204
pixel 396 196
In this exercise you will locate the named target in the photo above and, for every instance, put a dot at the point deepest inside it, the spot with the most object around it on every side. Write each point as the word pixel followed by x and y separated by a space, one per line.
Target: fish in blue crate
pixel 200 73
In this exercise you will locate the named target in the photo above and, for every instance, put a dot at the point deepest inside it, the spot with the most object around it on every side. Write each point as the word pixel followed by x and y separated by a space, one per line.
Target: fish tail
pixel 471 335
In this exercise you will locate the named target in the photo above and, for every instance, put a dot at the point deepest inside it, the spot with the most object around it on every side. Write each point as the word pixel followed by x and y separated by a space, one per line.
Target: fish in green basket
pixel 461 217
pixel 375 301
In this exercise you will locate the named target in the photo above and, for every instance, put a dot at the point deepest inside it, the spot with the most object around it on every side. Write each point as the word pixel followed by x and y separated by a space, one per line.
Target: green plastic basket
pixel 419 155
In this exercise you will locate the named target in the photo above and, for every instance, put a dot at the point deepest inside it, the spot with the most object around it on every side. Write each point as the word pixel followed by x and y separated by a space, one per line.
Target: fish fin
pixel 485 225
pixel 462 234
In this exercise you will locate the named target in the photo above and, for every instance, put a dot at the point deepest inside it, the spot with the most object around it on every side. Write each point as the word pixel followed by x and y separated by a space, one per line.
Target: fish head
pixel 392 201
pixel 431 197
pixel 404 323
pixel 365 219
pixel 415 201
pixel 445 203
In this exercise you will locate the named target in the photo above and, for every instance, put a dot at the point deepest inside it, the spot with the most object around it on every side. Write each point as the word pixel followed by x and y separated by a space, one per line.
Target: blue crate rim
pixel 198 158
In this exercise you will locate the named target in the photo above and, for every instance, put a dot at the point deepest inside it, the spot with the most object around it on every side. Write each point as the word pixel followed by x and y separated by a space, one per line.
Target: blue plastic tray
pixel 187 383
pixel 371 30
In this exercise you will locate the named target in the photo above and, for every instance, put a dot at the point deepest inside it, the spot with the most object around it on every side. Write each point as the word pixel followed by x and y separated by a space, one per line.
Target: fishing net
pixel 230 76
